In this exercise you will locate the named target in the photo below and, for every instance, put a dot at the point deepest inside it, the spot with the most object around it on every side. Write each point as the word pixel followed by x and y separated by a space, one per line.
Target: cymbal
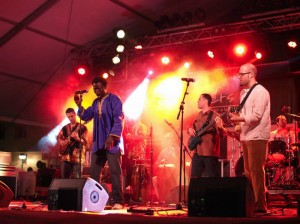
pixel 170 165
pixel 292 128
pixel 296 144
pixel 131 137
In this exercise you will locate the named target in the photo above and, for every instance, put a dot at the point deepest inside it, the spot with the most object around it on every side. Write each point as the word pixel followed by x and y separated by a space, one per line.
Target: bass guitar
pixel 197 139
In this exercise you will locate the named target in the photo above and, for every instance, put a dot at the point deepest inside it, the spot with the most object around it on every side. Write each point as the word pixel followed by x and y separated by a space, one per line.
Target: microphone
pixel 188 79
pixel 168 123
pixel 81 91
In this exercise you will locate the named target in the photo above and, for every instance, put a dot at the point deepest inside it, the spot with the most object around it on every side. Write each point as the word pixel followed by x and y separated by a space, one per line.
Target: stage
pixel 25 212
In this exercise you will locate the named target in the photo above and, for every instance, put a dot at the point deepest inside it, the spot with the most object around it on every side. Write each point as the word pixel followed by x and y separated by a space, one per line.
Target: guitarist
pixel 69 139
pixel 205 158
pixel 255 127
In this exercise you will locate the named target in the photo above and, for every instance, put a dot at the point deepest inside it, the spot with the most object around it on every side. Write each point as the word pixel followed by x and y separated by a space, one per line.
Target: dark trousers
pixel 98 161
pixel 205 166
pixel 67 168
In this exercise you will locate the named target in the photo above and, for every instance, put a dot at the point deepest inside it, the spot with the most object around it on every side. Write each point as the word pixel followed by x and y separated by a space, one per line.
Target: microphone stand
pixel 151 165
pixel 185 150
pixel 181 111
pixel 80 144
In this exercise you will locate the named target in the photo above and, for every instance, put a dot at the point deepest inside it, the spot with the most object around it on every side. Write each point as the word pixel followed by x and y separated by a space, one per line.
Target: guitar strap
pixel 206 122
pixel 245 98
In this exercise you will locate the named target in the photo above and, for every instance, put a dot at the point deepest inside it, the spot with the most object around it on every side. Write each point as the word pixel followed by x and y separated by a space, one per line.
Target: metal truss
pixel 189 34
pixel 278 23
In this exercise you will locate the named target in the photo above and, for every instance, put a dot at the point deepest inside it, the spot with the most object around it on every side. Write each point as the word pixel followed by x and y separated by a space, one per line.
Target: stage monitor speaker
pixel 82 194
pixel 6 195
pixel 220 197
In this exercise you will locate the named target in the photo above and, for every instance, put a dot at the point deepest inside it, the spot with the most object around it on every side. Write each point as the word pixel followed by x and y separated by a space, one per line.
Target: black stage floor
pixel 282 209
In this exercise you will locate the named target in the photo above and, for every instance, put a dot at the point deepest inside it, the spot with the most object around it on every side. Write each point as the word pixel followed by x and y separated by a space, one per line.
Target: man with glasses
pixel 254 127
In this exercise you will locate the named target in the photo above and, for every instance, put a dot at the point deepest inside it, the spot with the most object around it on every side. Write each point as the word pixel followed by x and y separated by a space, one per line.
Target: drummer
pixel 283 132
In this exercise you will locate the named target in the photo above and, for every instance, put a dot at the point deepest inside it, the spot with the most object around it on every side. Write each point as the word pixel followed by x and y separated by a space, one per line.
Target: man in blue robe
pixel 107 112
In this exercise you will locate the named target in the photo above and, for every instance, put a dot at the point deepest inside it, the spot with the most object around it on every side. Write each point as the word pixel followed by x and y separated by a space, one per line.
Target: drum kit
pixel 138 168
pixel 282 162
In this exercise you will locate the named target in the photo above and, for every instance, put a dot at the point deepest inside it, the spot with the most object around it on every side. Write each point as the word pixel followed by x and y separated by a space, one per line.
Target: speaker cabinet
pixel 83 194
pixel 220 197
pixel 6 195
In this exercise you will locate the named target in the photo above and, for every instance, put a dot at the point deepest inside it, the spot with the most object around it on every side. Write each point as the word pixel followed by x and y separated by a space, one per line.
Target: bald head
pixel 247 75
pixel 250 67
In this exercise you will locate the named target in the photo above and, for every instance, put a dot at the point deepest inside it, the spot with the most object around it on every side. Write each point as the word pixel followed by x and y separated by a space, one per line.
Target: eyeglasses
pixel 241 74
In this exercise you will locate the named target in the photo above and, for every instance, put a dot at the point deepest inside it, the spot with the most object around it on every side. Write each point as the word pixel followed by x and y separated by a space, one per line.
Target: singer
pixel 107 114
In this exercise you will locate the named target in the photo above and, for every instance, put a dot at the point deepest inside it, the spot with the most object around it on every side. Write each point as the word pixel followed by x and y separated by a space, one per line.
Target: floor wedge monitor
pixel 81 194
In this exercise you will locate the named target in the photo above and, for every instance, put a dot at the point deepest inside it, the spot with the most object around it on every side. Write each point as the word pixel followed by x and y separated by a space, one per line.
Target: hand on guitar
pixel 191 132
pixel 235 118
pixel 75 136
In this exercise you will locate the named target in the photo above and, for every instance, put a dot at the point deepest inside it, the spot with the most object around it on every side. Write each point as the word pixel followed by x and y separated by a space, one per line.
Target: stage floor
pixel 282 209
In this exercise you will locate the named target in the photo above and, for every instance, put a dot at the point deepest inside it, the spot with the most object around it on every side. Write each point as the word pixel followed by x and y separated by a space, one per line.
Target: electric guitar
pixel 197 139
pixel 237 127
pixel 71 143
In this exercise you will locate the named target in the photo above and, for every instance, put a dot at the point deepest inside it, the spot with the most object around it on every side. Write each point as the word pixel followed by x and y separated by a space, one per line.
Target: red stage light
pixel 240 49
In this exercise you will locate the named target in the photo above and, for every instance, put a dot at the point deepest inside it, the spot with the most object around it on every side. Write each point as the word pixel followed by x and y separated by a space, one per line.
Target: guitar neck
pixel 210 124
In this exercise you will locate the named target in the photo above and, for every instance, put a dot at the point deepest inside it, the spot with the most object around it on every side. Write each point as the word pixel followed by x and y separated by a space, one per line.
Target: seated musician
pixel 281 141
pixel 283 132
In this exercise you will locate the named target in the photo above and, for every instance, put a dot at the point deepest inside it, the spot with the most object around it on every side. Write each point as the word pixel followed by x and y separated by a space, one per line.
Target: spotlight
pixel 81 70
pixel 138 47
pixel 105 75
pixel 240 49
pixel 120 34
pixel 111 72
pixel 210 54
pixel 186 65
pixel 258 55
pixel 165 60
pixel 292 44
pixel 120 48
pixel 116 59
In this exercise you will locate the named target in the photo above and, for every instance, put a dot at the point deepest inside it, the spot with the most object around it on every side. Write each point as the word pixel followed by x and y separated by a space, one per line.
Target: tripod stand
pixel 184 159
